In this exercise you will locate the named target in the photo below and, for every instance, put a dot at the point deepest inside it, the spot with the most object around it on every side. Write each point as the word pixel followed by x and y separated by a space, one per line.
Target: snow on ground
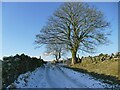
pixel 55 76
pixel 85 79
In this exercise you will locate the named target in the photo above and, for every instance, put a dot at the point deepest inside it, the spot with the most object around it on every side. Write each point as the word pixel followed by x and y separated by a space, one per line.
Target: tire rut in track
pixel 49 79
pixel 80 85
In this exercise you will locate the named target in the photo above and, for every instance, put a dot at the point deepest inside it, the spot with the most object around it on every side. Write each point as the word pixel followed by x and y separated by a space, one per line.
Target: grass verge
pixel 106 71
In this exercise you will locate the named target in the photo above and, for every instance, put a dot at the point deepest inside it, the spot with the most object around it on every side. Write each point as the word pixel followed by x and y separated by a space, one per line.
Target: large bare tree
pixel 77 25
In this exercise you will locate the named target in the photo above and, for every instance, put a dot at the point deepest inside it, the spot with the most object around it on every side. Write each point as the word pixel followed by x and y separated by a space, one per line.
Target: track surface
pixel 55 76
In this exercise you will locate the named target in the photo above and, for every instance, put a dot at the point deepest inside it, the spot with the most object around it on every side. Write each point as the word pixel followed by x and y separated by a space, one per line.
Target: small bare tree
pixel 78 26
pixel 56 49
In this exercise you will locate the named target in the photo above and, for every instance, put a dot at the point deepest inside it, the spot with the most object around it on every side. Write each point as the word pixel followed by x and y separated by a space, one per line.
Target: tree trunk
pixel 56 57
pixel 78 59
pixel 59 55
pixel 73 57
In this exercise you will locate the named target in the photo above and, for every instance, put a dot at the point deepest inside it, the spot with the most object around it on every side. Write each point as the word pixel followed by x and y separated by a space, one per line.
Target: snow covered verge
pixel 53 76
pixel 29 79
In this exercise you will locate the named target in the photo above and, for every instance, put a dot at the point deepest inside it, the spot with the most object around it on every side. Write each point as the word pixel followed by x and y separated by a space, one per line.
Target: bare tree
pixel 56 49
pixel 78 26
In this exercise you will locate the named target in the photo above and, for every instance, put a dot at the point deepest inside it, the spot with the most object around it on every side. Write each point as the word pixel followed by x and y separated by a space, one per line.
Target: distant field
pixel 107 69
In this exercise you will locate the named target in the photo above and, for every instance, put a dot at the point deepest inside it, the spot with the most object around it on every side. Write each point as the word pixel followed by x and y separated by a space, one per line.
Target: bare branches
pixel 77 25
pixel 56 49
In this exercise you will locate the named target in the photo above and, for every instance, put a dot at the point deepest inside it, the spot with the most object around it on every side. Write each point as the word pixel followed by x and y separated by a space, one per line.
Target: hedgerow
pixel 13 66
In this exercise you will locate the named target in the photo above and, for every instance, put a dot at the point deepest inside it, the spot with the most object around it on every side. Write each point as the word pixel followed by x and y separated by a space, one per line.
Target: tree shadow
pixel 112 80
